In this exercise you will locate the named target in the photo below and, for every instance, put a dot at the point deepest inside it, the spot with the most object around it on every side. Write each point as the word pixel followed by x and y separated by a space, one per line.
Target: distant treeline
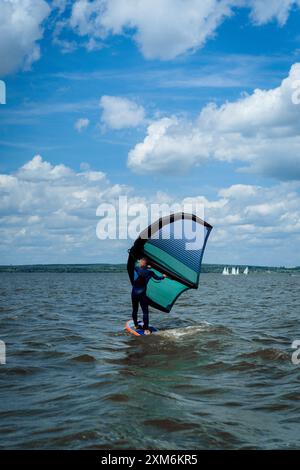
pixel 116 268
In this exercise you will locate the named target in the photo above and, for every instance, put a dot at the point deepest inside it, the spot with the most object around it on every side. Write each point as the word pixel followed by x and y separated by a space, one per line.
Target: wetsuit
pixel 138 295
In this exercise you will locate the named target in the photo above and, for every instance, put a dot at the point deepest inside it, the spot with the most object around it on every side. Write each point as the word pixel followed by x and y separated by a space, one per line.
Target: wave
pixel 270 354
pixel 117 397
pixel 170 425
pixel 175 333
pixel 84 358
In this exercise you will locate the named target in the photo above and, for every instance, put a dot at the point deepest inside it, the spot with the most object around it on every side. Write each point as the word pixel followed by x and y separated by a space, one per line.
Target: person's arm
pixel 158 278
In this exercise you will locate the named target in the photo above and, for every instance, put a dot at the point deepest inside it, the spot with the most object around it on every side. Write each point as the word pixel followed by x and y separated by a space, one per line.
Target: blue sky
pixel 158 99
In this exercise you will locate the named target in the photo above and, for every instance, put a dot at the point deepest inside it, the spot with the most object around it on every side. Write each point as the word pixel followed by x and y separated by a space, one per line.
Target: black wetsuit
pixel 138 295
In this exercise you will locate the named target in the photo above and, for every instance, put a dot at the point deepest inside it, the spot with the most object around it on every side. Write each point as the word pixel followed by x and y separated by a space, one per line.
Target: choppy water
pixel 75 380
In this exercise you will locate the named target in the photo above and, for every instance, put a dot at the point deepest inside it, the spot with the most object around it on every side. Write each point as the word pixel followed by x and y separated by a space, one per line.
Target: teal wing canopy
pixel 174 245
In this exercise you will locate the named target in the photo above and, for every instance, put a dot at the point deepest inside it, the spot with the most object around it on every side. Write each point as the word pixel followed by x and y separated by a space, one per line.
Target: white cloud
pixel 164 29
pixel 40 170
pixel 254 225
pixel 40 188
pixel 49 211
pixel 81 124
pixel 48 214
pixel 20 29
pixel 263 12
pixel 171 144
pixel 119 113
pixel 261 130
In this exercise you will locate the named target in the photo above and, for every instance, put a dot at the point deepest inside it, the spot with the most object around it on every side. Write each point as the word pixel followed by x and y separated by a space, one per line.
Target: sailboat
pixel 233 271
pixel 246 271
pixel 225 271
pixel 237 272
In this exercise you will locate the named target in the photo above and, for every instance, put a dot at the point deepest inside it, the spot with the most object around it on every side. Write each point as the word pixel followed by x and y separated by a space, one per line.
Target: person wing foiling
pixel 142 275
pixel 174 246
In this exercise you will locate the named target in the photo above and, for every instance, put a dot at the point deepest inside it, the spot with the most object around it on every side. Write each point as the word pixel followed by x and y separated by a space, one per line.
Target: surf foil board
pixel 138 332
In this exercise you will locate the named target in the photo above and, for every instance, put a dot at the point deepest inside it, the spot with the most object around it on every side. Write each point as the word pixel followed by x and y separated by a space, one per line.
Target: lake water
pixel 220 377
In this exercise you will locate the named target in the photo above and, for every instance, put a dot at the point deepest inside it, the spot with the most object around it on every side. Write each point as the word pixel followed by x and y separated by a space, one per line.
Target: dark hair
pixel 145 258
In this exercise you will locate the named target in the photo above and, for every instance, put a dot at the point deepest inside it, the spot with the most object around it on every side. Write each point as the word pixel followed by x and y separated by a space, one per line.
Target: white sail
pixel 246 271
pixel 225 271
pixel 237 272
pixel 233 271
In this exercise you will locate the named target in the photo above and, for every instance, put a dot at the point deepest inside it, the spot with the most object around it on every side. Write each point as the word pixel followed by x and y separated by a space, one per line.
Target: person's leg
pixel 145 308
pixel 135 308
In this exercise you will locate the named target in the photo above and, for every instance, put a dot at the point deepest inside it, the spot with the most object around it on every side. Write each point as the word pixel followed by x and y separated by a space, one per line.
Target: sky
pixel 156 100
